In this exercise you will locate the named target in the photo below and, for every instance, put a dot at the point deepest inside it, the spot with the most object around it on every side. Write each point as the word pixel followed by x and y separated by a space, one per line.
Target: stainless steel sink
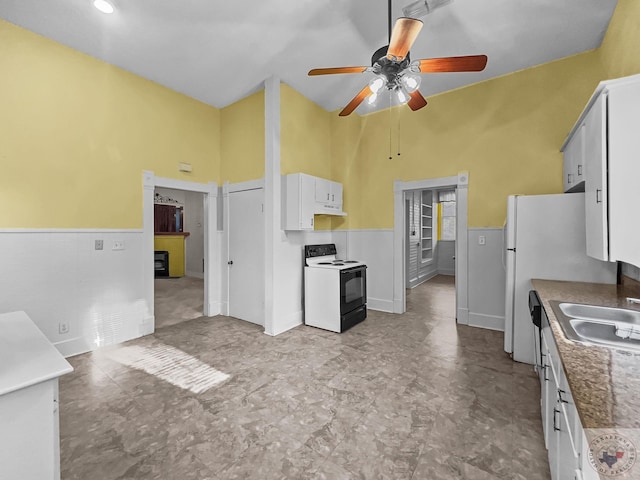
pixel 596 325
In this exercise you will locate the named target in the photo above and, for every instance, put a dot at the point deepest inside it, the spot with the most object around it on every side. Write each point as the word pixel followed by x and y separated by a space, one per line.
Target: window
pixel 447 217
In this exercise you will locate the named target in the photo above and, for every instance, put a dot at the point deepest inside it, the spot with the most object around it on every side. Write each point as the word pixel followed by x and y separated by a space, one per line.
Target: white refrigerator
pixel 544 238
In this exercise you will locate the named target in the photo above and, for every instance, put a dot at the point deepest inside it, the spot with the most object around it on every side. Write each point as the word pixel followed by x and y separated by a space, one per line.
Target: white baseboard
pixel 462 316
pixel 380 305
pixel 490 322
pixel 147 326
pixel 73 346
pixel 446 272
pixel 292 321
pixel 397 305
pixel 425 278
pixel 215 308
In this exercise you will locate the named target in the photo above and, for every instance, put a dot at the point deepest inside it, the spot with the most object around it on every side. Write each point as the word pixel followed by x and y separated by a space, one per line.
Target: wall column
pixel 272 201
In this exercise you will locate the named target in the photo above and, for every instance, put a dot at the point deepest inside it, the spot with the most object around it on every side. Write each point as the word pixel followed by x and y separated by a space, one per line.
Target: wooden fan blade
pixel 417 101
pixel 404 33
pixel 357 100
pixel 470 63
pixel 331 71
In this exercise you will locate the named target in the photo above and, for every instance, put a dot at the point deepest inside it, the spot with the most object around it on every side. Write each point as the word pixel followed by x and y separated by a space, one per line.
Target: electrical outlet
pixel 482 240
pixel 118 245
pixel 63 327
pixel 99 244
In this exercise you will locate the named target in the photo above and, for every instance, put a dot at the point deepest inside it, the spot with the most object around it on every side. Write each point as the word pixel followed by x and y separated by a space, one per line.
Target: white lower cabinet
pixel 29 423
pixel 563 432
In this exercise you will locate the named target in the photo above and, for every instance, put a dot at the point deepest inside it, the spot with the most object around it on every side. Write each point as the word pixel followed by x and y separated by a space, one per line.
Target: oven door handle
pixel 353 269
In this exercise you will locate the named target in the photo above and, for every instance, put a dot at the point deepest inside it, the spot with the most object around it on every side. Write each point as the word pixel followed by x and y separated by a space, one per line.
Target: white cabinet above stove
pixel 305 196
pixel 328 197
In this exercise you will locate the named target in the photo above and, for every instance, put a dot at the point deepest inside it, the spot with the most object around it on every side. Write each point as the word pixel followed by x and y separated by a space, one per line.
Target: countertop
pixel 605 383
pixel 26 356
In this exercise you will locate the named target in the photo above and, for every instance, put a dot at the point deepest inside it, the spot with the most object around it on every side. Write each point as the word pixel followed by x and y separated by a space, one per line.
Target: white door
pixel 246 255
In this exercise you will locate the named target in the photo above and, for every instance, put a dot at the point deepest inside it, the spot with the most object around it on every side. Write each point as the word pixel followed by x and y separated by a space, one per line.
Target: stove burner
pixel 337 263
pixel 350 261
pixel 325 263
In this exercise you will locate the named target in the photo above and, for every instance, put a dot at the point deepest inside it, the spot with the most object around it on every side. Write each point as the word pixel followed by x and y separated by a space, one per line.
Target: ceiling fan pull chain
pixel 399 118
pixel 390 126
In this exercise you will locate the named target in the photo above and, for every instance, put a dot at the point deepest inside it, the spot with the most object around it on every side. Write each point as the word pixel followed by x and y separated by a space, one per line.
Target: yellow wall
pixel 619 50
pixel 242 148
pixel 76 134
pixel 305 140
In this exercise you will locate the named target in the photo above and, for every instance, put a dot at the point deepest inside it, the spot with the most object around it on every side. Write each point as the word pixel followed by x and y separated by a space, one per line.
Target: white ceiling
pixel 220 51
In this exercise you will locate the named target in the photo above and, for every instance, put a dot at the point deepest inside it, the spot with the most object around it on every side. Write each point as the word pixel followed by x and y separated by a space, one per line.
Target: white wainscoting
pixel 375 249
pixel 57 276
pixel 289 308
pixel 487 279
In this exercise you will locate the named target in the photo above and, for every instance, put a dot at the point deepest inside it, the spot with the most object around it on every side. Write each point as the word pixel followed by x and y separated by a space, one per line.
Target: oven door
pixel 353 288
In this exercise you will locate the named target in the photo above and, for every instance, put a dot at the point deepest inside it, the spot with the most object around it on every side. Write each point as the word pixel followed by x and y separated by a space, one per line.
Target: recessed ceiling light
pixel 103 6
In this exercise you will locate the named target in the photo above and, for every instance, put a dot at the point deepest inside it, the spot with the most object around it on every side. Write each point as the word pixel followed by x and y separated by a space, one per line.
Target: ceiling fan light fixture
pixel 401 95
pixel 423 7
pixel 103 6
pixel 377 83
pixel 411 82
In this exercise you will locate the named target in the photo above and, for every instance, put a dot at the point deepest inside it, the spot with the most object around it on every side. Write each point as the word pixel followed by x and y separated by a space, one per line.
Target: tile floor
pixel 396 397
pixel 177 300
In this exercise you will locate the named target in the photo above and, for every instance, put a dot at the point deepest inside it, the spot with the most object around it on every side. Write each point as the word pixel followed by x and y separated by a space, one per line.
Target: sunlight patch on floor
pixel 171 365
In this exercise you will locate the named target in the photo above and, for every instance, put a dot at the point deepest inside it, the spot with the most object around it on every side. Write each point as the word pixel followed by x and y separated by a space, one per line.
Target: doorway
pixel 211 247
pixel 245 259
pixel 179 236
pixel 403 191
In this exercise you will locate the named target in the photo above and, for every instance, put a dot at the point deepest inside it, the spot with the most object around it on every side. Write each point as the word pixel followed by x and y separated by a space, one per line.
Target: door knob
pixel 230 262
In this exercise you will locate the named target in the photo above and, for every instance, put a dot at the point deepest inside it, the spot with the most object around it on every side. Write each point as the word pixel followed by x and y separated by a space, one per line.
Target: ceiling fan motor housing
pixel 389 68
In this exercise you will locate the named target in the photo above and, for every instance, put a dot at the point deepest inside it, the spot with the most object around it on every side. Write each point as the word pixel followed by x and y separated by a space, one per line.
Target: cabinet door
pixel 307 203
pixel 547 400
pixel 336 195
pixel 567 459
pixel 323 191
pixel 573 160
pixel 623 172
pixel 596 198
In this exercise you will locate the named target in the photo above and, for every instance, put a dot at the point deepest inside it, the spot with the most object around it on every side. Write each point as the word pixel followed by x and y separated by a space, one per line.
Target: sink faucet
pixel 633 300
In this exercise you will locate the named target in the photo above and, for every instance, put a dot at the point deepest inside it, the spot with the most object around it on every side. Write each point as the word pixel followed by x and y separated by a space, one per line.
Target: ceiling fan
pixel 396 72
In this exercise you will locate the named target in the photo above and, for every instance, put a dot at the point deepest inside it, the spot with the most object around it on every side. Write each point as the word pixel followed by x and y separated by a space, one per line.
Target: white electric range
pixel 335 289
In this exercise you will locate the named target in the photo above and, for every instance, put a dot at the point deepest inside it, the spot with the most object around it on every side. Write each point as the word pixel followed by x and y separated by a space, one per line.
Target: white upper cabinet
pixel 611 146
pixel 305 196
pixel 595 128
pixel 624 172
pixel 328 196
pixel 298 202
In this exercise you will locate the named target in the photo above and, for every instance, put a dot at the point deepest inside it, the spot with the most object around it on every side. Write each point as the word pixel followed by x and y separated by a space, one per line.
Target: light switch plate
pixel 482 240
pixel 99 244
pixel 118 245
